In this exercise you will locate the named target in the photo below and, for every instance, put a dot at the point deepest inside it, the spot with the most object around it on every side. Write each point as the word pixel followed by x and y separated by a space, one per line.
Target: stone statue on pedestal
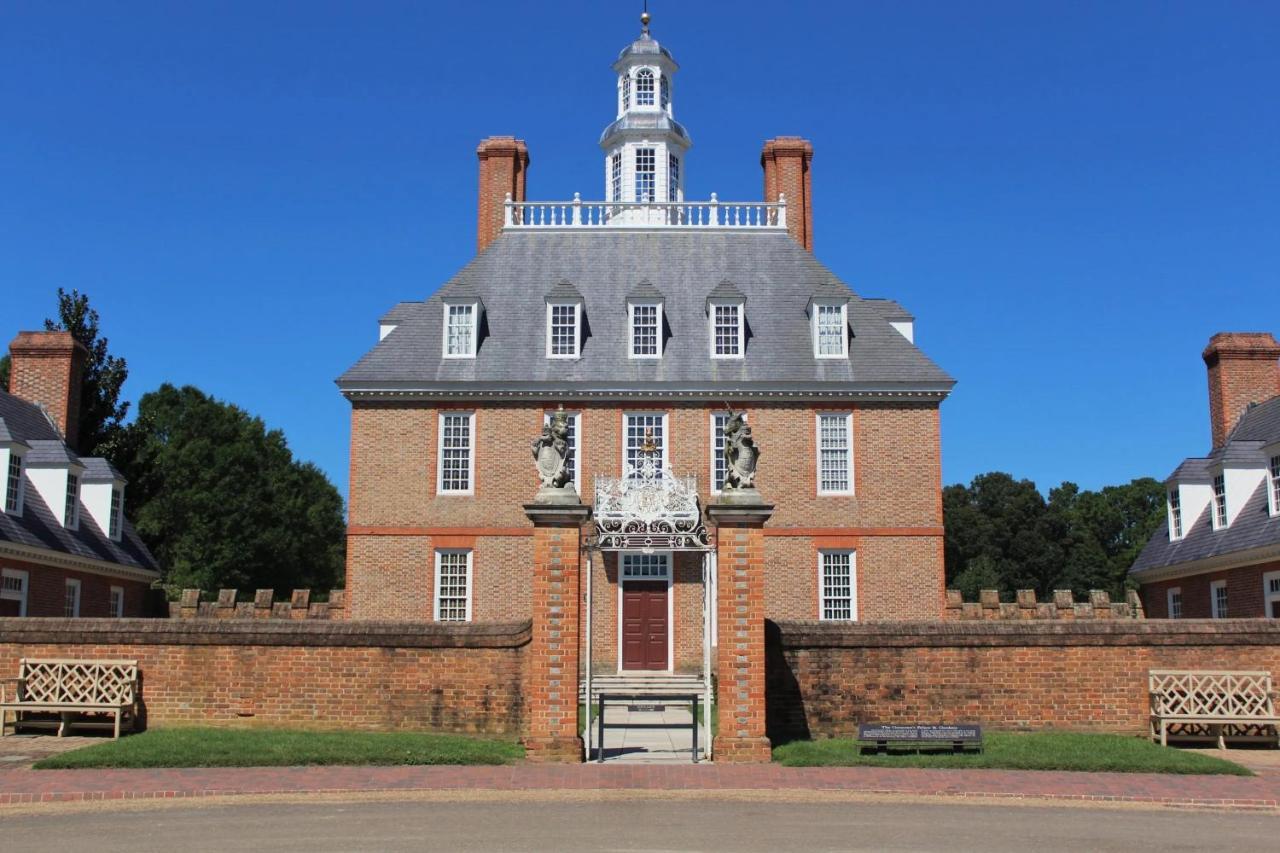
pixel 550 456
pixel 740 454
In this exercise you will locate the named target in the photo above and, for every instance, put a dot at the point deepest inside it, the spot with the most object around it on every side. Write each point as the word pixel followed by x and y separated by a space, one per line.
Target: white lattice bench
pixel 1212 700
pixel 68 688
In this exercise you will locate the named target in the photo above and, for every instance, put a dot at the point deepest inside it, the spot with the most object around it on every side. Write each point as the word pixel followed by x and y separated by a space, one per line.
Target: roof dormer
pixel 828 311
pixel 12 453
pixel 564 321
pixel 463 310
pixel 1190 491
pixel 727 321
pixel 102 495
pixel 54 472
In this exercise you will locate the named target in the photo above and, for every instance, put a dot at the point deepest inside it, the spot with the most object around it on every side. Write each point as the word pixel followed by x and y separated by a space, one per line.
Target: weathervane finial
pixel 644 19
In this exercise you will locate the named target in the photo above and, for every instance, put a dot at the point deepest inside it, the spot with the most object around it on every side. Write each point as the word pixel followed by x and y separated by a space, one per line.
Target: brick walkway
pixel 1261 792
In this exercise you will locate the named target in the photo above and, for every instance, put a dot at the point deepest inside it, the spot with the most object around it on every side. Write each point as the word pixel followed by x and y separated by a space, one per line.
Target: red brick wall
pixel 1245 595
pixel 824 679
pixel 1243 369
pixel 740 655
pixel 504 164
pixel 301 674
pixel 46 591
pixel 787 163
pixel 46 368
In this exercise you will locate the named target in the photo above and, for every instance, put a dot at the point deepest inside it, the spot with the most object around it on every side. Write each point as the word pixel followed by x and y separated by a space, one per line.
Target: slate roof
pixel 38 526
pixel 1253 527
pixel 514 275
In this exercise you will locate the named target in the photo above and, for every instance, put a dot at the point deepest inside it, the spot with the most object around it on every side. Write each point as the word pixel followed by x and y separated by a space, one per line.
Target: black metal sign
pixel 919 733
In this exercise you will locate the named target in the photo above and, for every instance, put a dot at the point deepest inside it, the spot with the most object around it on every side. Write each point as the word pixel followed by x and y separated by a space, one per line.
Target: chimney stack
pixel 46 369
pixel 1243 369
pixel 504 162
pixel 787 168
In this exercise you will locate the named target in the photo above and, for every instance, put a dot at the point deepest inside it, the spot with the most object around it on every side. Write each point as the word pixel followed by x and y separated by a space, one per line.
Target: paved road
pixel 644 824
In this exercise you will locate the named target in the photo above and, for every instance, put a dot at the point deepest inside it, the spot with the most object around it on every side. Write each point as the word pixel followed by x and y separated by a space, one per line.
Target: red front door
pixel 644 625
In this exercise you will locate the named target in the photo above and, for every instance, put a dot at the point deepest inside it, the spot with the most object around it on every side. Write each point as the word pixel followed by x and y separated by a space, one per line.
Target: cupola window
pixel 673 178
pixel 644 88
pixel 665 89
pixel 615 177
pixel 626 92
pixel 646 175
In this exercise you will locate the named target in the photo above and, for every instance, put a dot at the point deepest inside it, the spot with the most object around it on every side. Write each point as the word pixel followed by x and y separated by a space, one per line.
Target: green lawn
pixel 1022 751
pixel 207 747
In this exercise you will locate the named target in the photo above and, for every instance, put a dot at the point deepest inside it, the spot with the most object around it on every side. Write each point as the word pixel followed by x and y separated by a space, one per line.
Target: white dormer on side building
pixel 54 472
pixel 1190 491
pixel 12 468
pixel 1243 471
pixel 102 496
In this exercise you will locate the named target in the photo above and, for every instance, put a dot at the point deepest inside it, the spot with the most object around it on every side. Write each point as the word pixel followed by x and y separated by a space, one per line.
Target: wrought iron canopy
pixel 649 507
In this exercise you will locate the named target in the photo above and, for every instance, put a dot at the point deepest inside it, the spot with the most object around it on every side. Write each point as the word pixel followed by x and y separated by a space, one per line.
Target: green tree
pixel 102 412
pixel 4 373
pixel 221 501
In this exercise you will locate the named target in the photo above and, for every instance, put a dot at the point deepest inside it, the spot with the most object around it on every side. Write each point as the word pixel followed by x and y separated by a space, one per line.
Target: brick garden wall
pixel 300 674
pixel 824 678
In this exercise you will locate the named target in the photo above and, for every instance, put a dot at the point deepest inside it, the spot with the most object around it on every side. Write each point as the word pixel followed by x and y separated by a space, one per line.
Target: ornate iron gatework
pixel 649 507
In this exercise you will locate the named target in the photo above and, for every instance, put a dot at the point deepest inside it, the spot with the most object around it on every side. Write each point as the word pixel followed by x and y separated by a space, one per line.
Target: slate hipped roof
pixel 1253 528
pixel 774 275
pixel 38 526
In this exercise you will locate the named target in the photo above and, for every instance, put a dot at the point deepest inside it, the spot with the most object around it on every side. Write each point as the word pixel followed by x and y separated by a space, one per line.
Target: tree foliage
pixel 4 373
pixel 102 412
pixel 1001 533
pixel 221 501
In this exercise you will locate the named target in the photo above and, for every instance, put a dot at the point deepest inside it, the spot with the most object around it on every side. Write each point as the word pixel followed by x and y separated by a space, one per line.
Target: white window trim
pixel 576 418
pixel 1213 599
pixel 116 595
pixel 631 330
pixel 711 445
pixel 671 630
pixel 471 456
pixel 72 509
pixel 577 329
pixel 20 504
pixel 117 514
pixel 475 329
pixel 1178 530
pixel 666 435
pixel 1269 597
pixel 1214 521
pixel 1168 601
pixel 21 597
pixel 1273 483
pixel 817 451
pixel 844 329
pixel 71 583
pixel 435 608
pixel 742 329
pixel 853 584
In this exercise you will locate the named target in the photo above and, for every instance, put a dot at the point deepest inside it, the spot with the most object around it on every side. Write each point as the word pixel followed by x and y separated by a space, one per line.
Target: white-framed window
pixel 830 339
pixel 1271 595
pixel 664 88
pixel 673 177
pixel 726 330
pixel 453 585
pixel 71 518
pixel 116 602
pixel 564 320
pixel 835 454
pixel 13 588
pixel 718 467
pixel 71 599
pixel 1274 473
pixel 626 92
pixel 116 522
pixel 1175 514
pixel 615 177
pixel 644 88
pixel 1219 501
pixel 460 330
pixel 646 175
pixel 1174 600
pixel 640 428
pixel 647 567
pixel 1218 599
pixel 571 462
pixel 13 485
pixel 457 453
pixel 837 585
pixel 645 330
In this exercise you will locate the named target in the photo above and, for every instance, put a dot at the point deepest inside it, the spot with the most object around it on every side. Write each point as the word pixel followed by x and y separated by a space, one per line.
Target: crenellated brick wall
pixel 264 606
pixel 300 673
pixel 1089 674
pixel 1062 606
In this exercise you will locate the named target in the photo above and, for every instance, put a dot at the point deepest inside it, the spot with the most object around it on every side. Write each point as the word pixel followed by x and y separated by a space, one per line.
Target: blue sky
pixel 1070 196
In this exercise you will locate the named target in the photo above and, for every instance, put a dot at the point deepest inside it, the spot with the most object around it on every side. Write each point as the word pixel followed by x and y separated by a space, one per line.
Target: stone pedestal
pixel 739 524
pixel 551 686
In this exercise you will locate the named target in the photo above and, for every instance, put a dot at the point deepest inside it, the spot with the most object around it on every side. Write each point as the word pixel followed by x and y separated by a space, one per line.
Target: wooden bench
pixel 1212 701
pixel 68 688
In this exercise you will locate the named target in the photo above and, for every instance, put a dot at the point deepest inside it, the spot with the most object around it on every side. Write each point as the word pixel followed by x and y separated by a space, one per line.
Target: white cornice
pixel 674 395
pixel 46 557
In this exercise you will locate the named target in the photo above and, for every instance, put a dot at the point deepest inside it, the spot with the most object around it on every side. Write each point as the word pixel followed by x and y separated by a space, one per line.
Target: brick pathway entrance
pixel 29 786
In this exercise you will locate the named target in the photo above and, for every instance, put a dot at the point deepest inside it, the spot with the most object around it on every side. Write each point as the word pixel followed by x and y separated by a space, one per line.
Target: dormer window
pixel 1175 515
pixel 460 329
pixel 1274 473
pixel 830 337
pixel 71 513
pixel 1219 501
pixel 13 485
pixel 726 330
pixel 563 323
pixel 644 88
pixel 116 523
pixel 645 330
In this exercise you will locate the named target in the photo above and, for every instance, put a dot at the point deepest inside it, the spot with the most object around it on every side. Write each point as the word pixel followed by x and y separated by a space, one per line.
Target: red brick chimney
pixel 787 168
pixel 1243 369
pixel 504 162
pixel 46 368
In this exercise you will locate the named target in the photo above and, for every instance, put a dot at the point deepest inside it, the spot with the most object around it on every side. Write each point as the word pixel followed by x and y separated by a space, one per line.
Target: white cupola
pixel 644 147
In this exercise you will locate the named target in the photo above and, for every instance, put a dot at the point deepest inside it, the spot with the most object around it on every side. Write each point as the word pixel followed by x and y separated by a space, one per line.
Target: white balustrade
pixel 630 214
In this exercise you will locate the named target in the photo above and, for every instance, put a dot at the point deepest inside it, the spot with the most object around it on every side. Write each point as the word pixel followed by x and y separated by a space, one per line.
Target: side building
pixel 645 316
pixel 66 545
pixel 1218 554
